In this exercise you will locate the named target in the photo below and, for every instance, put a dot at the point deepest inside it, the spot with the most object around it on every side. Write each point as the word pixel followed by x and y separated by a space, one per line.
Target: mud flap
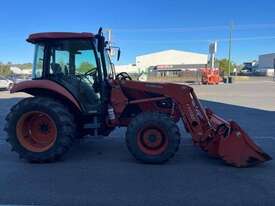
pixel 239 150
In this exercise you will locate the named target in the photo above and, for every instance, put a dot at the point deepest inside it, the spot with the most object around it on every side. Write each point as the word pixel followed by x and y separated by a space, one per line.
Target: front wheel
pixel 152 138
pixel 40 129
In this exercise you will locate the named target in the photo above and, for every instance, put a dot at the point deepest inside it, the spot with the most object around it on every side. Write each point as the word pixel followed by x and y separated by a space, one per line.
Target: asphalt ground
pixel 102 172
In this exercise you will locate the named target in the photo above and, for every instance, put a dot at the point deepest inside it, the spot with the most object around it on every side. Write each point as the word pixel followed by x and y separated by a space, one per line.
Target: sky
pixel 140 27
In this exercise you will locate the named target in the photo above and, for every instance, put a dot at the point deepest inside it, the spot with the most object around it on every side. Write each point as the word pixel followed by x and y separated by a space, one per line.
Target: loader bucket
pixel 239 150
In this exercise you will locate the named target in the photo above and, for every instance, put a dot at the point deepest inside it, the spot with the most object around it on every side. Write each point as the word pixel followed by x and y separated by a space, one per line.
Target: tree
pixel 224 66
pixel 85 67
pixel 5 70
pixel 25 66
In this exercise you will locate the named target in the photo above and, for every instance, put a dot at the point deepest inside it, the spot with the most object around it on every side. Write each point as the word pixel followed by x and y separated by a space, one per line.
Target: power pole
pixel 109 31
pixel 212 53
pixel 230 45
pixel 110 41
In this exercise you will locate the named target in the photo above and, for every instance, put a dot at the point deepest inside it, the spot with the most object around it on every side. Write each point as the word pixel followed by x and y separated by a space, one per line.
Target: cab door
pixel 73 65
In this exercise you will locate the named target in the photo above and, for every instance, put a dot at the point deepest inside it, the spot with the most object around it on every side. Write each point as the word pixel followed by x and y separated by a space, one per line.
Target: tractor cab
pixel 79 62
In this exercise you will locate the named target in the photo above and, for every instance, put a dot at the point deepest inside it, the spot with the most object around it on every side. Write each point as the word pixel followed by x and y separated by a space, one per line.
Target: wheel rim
pixel 152 140
pixel 36 131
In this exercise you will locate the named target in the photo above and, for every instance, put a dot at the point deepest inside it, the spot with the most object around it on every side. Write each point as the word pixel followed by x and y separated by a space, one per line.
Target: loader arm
pixel 218 137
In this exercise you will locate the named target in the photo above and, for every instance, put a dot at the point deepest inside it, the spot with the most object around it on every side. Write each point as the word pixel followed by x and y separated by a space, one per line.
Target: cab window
pixel 70 57
pixel 85 62
pixel 38 62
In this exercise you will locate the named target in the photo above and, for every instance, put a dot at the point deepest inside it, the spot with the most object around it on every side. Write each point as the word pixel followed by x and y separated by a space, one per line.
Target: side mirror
pixel 118 54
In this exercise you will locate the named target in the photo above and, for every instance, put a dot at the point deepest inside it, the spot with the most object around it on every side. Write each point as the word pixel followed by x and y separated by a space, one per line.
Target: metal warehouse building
pixel 170 57
pixel 266 63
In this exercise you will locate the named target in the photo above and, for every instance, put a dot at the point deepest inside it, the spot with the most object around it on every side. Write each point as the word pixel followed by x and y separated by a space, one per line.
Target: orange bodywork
pixel 218 137
pixel 28 86
pixel 211 76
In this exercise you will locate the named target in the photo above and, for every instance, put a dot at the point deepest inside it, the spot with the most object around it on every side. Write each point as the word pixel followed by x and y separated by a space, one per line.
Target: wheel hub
pixel 44 128
pixel 152 141
pixel 36 131
pixel 152 138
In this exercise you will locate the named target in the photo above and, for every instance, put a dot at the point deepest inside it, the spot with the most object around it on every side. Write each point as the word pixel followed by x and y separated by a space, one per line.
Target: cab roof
pixel 45 36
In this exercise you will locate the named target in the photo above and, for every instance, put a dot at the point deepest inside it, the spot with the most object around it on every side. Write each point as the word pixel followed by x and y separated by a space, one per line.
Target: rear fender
pixel 33 86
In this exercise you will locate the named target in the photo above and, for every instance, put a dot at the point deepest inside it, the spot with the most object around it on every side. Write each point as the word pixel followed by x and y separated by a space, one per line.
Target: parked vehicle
pixel 5 83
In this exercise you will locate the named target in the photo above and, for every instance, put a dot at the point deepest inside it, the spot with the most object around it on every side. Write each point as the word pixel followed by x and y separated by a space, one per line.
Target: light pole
pixel 230 45
pixel 273 69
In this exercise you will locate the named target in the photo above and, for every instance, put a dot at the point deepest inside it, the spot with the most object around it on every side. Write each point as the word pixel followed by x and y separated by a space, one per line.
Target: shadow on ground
pixel 256 122
pixel 102 172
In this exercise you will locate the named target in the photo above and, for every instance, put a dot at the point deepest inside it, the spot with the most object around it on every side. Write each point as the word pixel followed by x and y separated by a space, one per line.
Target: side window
pixel 85 61
pixel 59 62
pixel 38 61
pixel 72 57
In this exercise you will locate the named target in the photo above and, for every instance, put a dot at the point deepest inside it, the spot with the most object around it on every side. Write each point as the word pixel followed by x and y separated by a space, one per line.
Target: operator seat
pixel 56 68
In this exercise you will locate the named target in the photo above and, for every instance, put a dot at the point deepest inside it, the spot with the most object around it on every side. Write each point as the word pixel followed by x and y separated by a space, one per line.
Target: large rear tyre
pixel 152 138
pixel 40 129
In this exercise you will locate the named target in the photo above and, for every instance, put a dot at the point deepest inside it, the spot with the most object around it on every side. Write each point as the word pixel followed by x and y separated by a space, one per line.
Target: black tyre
pixel 40 129
pixel 152 138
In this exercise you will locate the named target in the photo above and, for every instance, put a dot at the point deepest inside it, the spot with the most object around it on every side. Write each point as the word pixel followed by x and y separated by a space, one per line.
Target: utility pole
pixel 109 31
pixel 110 41
pixel 230 45
pixel 212 53
pixel 109 34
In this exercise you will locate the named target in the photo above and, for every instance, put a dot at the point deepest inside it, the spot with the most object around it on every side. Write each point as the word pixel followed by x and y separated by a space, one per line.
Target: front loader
pixel 75 93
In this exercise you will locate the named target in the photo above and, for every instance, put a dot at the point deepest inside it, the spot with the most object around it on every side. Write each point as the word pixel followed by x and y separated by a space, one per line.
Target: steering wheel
pixel 90 72
pixel 123 76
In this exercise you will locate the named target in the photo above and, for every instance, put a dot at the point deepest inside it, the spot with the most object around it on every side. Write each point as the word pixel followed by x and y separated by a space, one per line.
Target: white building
pixel 170 57
pixel 167 57
pixel 129 68
pixel 266 64
pixel 17 70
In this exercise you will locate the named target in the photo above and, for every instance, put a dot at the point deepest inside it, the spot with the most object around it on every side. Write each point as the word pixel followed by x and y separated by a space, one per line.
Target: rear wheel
pixel 40 129
pixel 152 138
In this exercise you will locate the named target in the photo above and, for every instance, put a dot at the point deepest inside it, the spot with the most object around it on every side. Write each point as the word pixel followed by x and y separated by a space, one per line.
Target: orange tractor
pixel 75 92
